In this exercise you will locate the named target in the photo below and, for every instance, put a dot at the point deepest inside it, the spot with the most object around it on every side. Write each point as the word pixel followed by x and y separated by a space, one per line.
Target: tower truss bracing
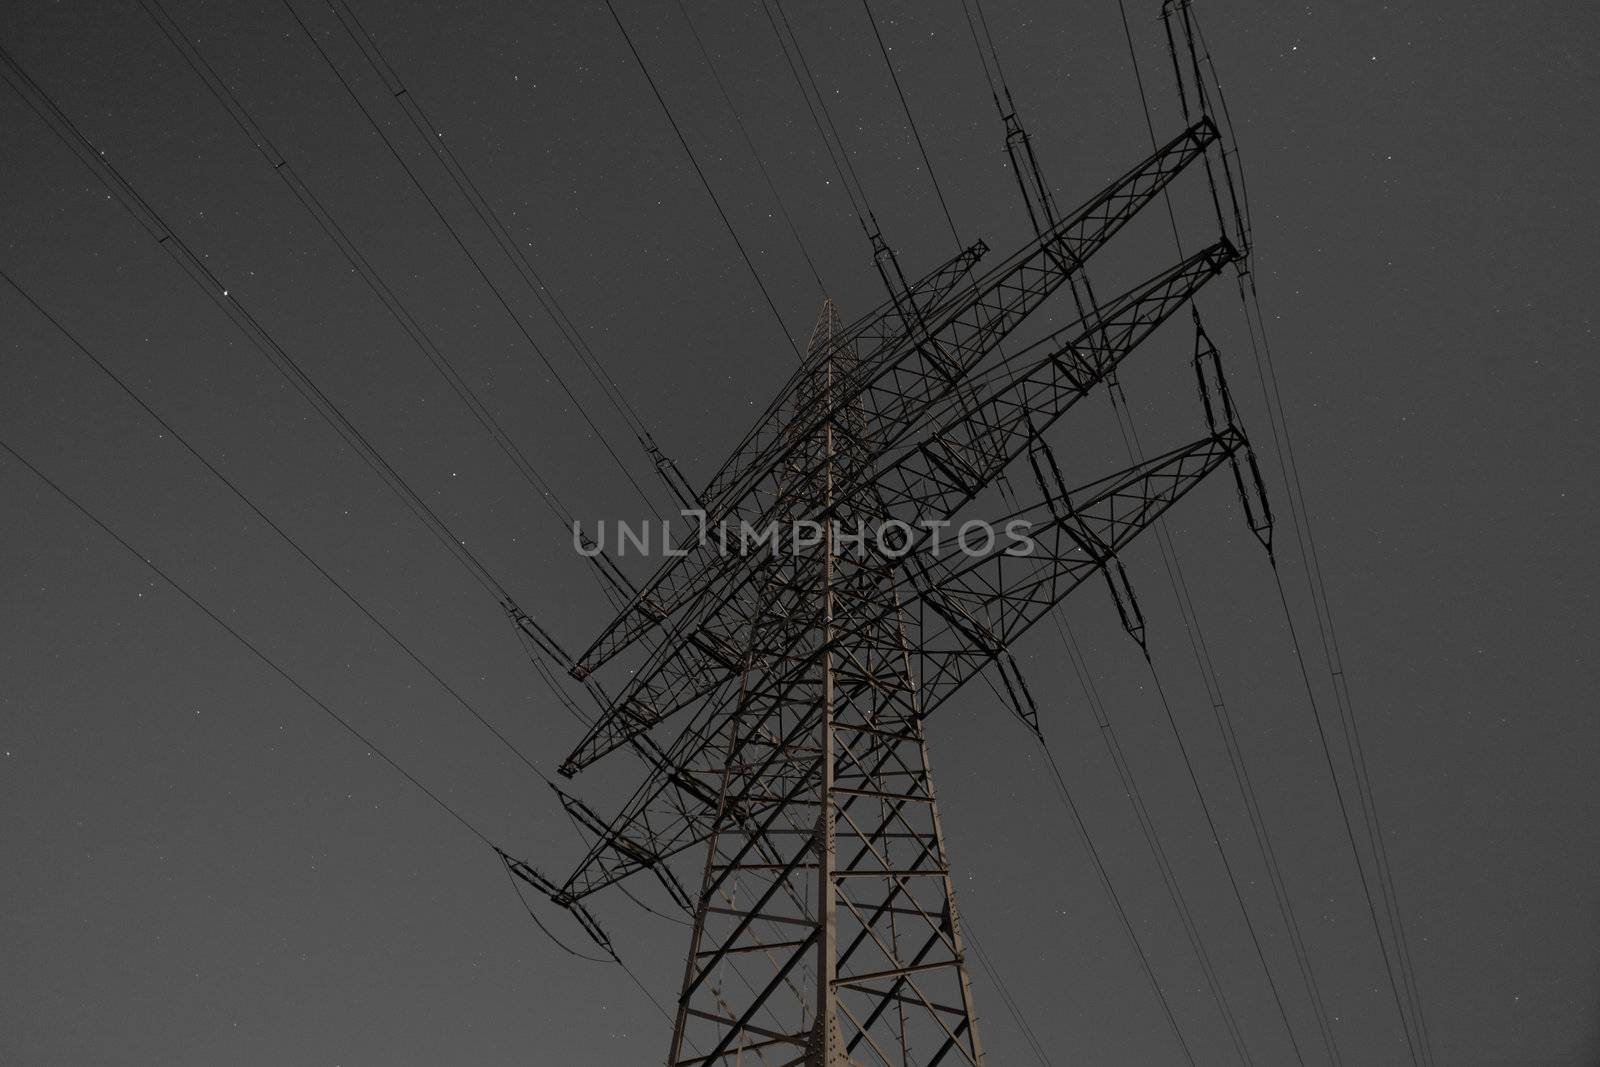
pixel 826 866
pixel 779 687
pixel 771 682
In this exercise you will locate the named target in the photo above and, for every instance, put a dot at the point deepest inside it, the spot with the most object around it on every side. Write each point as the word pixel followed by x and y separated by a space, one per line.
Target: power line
pixel 1013 1007
pixel 202 275
pixel 374 280
pixel 1104 877
pixel 1070 807
pixel 1176 580
pixel 318 702
pixel 1107 731
pixel 1179 585
pixel 660 1009
pixel 744 132
pixel 1222 853
pixel 358 261
pixel 1171 563
pixel 816 121
pixel 841 162
pixel 994 53
pixel 983 61
pixel 1311 564
pixel 1309 560
pixel 428 133
pixel 254 650
pixel 1344 812
pixel 1130 784
pixel 516 887
pixel 194 266
pixel 1144 104
pixel 1196 636
pixel 1414 1020
pixel 272 524
pixel 701 174
pixel 911 121
pixel 1202 96
pixel 460 242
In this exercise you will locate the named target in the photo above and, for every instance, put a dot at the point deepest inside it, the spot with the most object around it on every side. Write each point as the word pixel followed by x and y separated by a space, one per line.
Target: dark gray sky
pixel 203 869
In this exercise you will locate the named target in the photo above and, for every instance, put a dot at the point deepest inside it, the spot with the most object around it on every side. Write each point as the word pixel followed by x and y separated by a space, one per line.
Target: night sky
pixel 203 868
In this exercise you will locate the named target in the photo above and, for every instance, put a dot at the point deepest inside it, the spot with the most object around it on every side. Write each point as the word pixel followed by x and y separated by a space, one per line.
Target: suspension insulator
pixel 1127 603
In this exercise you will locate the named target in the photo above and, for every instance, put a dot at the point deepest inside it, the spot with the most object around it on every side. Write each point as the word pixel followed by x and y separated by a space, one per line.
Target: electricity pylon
pixel 801 641
pixel 826 857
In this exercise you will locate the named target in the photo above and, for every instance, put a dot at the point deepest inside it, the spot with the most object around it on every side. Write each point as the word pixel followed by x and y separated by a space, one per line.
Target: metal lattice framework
pixel 799 680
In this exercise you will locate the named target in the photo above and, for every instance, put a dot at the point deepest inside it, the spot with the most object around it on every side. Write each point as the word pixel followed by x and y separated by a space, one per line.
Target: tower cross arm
pixel 1073 538
pixel 962 614
pixel 966 444
pixel 944 465
pixel 904 378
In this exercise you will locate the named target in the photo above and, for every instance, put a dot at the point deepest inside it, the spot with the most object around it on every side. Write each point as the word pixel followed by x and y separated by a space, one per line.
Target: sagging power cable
pixel 358 260
pixel 255 650
pixel 744 132
pixel 271 524
pixel 1069 806
pixel 477 265
pixel 821 115
pixel 905 106
pixel 194 265
pixel 705 182
pixel 429 133
pixel 340 720
pixel 1200 61
pixel 1310 559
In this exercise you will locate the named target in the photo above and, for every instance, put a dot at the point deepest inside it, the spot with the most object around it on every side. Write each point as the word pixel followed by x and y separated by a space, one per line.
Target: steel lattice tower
pixel 800 676
pixel 826 860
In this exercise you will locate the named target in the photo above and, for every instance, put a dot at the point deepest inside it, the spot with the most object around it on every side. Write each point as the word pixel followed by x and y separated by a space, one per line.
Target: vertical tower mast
pixel 825 930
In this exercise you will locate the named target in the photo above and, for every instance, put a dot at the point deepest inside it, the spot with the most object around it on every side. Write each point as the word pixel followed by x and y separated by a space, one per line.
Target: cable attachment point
pixel 617 586
pixel 1214 395
pixel 894 280
pixel 529 875
pixel 1018 693
pixel 538 634
pixel 669 474
pixel 910 311
pixel 1206 81
pixel 1127 603
pixel 586 817
pixel 1036 195
pixel 1040 458
pixel 1047 472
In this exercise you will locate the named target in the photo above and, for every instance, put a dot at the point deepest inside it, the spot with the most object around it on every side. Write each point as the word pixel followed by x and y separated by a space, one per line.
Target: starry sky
pixel 204 868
